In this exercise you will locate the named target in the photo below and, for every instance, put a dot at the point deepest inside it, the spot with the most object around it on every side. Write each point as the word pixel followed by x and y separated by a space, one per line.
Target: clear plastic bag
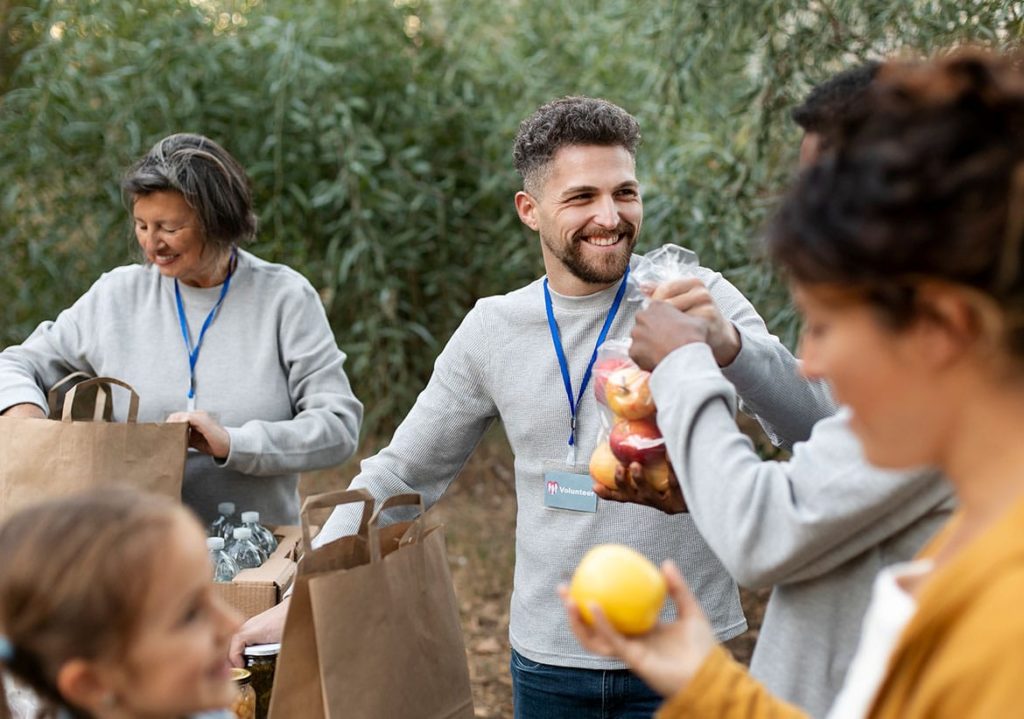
pixel 629 421
pixel 22 701
pixel 666 263
pixel 629 428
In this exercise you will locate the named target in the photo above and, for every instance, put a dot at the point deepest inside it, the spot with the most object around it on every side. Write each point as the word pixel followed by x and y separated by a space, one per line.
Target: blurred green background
pixel 378 137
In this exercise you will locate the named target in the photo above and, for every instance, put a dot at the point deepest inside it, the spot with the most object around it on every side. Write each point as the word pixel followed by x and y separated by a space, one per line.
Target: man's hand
pixel 691 296
pixel 632 487
pixel 205 433
pixel 265 628
pixel 27 410
pixel 668 656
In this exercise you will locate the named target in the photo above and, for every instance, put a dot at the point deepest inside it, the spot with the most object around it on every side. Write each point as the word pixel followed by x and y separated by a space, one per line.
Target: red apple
pixel 629 394
pixel 603 368
pixel 603 464
pixel 637 440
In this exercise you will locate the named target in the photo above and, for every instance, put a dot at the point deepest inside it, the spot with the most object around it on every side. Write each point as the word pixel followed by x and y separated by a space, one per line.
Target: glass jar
pixel 260 660
pixel 244 706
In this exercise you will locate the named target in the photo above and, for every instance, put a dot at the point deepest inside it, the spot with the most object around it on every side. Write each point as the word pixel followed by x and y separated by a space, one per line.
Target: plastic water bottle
pixel 224 567
pixel 261 536
pixel 244 551
pixel 222 526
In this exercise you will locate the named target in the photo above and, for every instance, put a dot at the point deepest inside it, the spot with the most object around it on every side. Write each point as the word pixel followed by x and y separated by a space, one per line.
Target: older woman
pixel 904 248
pixel 207 333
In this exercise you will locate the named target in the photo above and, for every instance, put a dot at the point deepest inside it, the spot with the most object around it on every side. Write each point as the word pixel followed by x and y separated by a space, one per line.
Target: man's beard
pixel 601 270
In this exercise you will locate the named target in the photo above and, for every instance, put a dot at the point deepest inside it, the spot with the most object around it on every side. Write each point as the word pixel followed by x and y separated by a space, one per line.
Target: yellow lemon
pixel 624 583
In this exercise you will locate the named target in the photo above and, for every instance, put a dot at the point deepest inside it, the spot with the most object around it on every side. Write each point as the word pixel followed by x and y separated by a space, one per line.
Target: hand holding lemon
pixel 613 595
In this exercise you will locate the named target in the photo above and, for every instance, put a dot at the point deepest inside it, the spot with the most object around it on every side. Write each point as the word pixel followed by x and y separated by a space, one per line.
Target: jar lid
pixel 262 650
pixel 241 676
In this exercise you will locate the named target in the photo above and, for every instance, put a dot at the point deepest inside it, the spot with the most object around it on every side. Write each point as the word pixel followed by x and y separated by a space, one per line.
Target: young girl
pixel 905 249
pixel 107 609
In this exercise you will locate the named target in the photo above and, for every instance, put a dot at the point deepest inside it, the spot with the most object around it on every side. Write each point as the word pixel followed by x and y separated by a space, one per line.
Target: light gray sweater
pixel 818 527
pixel 500 363
pixel 269 369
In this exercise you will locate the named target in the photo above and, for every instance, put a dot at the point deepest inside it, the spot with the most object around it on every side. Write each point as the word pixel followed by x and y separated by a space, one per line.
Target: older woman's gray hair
pixel 212 182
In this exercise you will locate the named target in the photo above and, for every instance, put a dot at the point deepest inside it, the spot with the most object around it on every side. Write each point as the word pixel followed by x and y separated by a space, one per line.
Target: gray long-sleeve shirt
pixel 818 527
pixel 269 370
pixel 500 363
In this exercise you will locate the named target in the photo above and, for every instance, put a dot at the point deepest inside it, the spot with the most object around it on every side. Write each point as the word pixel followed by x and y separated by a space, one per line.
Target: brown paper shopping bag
pixel 45 458
pixel 297 680
pixel 373 628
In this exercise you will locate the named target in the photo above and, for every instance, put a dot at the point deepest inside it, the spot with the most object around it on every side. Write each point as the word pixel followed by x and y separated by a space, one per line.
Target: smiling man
pixel 525 358
pixel 587 231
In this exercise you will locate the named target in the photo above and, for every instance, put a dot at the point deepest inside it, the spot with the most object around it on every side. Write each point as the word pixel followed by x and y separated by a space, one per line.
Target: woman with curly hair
pixel 903 246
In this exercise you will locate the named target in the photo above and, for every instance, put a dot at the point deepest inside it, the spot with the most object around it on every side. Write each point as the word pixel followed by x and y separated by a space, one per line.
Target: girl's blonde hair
pixel 73 582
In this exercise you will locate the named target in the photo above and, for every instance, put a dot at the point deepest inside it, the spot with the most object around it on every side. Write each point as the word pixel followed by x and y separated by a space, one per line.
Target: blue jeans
pixel 543 691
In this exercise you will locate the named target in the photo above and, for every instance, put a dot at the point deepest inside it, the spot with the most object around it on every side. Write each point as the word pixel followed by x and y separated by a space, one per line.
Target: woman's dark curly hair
pixel 926 181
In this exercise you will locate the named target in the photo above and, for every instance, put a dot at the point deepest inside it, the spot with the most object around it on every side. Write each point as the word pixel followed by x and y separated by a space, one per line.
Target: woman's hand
pixel 26 410
pixel 205 433
pixel 264 628
pixel 668 656
pixel 699 320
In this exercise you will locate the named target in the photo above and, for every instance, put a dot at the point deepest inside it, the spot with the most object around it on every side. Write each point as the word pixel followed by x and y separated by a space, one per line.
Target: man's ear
pixel 81 684
pixel 526 206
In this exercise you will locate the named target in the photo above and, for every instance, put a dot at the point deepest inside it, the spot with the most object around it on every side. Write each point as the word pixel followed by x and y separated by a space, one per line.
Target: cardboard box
pixel 256 590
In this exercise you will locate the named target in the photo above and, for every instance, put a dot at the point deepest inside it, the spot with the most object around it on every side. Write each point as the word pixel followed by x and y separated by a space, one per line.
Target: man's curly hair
pixel 565 122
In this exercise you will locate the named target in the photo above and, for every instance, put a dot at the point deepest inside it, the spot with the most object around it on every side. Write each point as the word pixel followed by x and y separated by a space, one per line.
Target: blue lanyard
pixel 556 338
pixel 193 353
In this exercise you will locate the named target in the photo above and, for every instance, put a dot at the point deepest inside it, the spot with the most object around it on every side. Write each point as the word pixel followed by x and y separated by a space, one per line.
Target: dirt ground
pixel 479 516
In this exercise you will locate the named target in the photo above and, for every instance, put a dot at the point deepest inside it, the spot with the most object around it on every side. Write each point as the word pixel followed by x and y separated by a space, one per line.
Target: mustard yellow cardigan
pixel 961 655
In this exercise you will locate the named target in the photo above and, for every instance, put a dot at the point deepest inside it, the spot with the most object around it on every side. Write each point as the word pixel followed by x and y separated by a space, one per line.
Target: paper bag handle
pixel 51 396
pixel 99 382
pixel 398 500
pixel 329 500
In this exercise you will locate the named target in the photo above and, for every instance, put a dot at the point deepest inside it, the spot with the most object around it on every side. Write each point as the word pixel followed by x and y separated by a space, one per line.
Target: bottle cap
pixel 226 508
pixel 215 542
pixel 263 650
pixel 241 676
pixel 253 517
pixel 242 533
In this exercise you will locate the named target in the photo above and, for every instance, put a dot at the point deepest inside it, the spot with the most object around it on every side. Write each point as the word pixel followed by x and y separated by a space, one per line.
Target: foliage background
pixel 378 136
